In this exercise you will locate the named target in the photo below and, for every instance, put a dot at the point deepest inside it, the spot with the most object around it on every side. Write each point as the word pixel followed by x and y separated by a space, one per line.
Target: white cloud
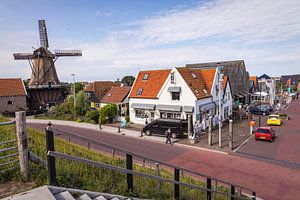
pixel 260 32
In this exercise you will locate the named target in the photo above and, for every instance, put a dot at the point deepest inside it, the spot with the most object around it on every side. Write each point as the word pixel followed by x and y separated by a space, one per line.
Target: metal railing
pixel 7 153
pixel 212 184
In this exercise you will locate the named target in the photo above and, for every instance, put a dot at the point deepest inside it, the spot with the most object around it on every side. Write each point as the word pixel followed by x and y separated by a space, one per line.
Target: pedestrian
pixel 168 136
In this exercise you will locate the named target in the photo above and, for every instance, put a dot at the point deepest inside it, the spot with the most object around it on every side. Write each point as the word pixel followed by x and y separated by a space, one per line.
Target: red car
pixel 265 133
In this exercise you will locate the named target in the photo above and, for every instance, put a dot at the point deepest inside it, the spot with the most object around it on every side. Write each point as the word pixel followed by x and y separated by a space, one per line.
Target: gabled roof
pixel 265 76
pixel 12 87
pixel 200 81
pixel 116 95
pixel 149 88
pixel 100 88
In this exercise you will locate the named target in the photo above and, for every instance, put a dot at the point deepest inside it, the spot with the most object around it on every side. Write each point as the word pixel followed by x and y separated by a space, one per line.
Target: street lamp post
pixel 259 118
pixel 74 90
pixel 220 79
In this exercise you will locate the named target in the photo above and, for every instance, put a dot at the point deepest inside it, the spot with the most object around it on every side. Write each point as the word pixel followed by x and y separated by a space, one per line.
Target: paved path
pixel 285 149
pixel 270 181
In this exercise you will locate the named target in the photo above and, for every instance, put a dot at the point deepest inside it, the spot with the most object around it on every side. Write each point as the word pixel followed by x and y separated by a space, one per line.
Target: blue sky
pixel 121 37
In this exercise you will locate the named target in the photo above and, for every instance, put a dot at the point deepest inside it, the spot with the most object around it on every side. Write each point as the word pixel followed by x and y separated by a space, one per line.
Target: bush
pixel 92 116
pixel 108 112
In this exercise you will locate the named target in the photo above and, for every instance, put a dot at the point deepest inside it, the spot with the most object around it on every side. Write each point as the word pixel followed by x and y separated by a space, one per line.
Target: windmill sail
pixel 68 52
pixel 43 34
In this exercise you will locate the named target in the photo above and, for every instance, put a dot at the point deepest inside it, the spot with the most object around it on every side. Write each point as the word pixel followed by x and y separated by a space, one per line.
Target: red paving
pixel 270 181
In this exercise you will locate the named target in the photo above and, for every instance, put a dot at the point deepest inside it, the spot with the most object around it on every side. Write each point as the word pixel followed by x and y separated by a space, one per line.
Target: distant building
pixel 253 84
pixel 96 90
pixel 237 74
pixel 12 95
pixel 266 92
pixel 118 96
pixel 294 79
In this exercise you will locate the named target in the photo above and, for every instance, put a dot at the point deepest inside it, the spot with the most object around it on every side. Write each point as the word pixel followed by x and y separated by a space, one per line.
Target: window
pixel 217 90
pixel 194 75
pixel 9 102
pixel 140 91
pixel 172 78
pixel 141 113
pixel 109 95
pixel 145 77
pixel 175 96
pixel 170 115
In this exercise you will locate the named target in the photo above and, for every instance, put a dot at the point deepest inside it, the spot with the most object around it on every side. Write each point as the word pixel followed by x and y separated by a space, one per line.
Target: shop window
pixel 141 113
pixel 170 115
pixel 175 96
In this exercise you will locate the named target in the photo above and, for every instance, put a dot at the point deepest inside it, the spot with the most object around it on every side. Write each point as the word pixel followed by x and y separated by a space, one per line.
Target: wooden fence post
pixel 176 186
pixel 129 176
pixel 50 159
pixel 158 174
pixel 22 144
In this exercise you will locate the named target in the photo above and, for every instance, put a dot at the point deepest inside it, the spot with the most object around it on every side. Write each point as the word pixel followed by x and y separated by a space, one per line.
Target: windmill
pixel 44 87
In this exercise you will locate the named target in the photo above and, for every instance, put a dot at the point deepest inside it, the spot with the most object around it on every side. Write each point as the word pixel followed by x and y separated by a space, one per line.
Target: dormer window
pixel 145 77
pixel 196 91
pixel 205 91
pixel 109 95
pixel 140 91
pixel 194 75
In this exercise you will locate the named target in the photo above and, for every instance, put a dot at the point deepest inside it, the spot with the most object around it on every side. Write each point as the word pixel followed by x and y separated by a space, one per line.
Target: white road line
pixel 243 143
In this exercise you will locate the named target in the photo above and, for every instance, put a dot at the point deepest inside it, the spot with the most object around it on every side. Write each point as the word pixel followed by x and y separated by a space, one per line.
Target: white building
pixel 178 93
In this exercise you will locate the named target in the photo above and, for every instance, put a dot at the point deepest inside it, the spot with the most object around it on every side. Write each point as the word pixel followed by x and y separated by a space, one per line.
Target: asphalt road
pixel 285 149
pixel 270 181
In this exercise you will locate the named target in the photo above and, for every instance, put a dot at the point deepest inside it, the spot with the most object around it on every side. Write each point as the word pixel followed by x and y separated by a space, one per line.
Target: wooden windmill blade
pixel 23 56
pixel 43 34
pixel 59 53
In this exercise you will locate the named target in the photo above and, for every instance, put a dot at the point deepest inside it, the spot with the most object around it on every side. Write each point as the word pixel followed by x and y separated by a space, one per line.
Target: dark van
pixel 159 127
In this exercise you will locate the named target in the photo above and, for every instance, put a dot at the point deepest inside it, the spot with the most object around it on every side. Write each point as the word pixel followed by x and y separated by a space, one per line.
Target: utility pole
pixel 74 89
pixel 220 79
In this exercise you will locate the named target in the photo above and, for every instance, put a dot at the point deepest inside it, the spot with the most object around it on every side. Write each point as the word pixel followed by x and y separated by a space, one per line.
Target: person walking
pixel 168 136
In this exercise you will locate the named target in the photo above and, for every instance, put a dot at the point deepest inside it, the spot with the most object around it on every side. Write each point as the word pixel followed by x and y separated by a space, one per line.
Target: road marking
pixel 243 143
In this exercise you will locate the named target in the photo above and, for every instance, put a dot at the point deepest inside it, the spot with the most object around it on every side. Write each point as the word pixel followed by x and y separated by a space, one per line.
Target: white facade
pixel 271 89
pixel 187 100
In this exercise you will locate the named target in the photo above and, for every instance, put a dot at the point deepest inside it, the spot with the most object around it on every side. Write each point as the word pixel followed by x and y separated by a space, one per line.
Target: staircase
pixel 59 193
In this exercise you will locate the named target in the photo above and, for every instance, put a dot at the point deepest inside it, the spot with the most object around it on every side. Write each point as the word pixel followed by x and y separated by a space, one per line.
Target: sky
pixel 121 37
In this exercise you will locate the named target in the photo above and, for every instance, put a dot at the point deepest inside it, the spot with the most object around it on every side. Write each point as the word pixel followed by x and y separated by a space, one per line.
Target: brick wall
pixel 18 104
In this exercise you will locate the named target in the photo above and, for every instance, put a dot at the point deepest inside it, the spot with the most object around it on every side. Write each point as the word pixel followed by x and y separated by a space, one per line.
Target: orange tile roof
pixel 224 82
pixel 116 95
pixel 202 81
pixel 150 87
pixel 254 79
pixel 100 88
pixel 12 87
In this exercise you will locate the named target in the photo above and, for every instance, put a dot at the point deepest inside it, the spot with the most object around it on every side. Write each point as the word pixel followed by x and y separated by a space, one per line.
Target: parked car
pixel 159 127
pixel 265 133
pixel 260 110
pixel 268 107
pixel 274 120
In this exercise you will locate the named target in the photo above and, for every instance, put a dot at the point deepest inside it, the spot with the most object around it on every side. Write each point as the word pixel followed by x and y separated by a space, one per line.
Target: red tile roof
pixel 199 83
pixel 12 87
pixel 152 86
pixel 254 79
pixel 116 95
pixel 100 88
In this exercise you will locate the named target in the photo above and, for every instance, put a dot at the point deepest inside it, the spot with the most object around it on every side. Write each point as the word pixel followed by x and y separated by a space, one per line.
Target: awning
pixel 169 108
pixel 207 106
pixel 143 106
pixel 174 89
pixel 239 96
pixel 188 108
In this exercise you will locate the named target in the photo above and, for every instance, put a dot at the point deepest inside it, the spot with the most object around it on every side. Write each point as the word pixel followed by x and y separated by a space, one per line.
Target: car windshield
pixel 264 131
pixel 273 117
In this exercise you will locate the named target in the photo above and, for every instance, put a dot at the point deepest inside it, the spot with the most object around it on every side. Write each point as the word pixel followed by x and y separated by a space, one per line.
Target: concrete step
pixel 64 196
pixel 84 197
pixel 100 198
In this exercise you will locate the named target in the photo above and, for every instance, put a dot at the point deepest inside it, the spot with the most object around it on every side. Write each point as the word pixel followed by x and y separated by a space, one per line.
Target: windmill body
pixel 44 88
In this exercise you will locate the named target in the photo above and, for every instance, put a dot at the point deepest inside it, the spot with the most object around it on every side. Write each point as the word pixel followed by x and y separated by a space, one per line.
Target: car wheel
pixel 271 140
pixel 174 135
pixel 148 132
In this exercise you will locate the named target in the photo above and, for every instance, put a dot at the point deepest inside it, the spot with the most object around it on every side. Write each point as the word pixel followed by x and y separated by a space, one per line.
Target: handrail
pixel 151 159
pixel 127 171
pixel 7 123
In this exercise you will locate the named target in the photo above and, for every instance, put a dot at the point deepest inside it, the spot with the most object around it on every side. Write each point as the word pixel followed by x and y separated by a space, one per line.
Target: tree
pixel 93 115
pixel 78 87
pixel 108 112
pixel 81 103
pixel 128 80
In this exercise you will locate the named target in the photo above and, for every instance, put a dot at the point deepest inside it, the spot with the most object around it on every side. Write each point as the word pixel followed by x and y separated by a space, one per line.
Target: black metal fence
pixel 8 152
pixel 212 188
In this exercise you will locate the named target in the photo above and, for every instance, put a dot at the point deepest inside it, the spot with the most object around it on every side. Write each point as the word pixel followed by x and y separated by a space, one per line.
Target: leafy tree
pixel 81 103
pixel 108 112
pixel 78 87
pixel 128 80
pixel 93 115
